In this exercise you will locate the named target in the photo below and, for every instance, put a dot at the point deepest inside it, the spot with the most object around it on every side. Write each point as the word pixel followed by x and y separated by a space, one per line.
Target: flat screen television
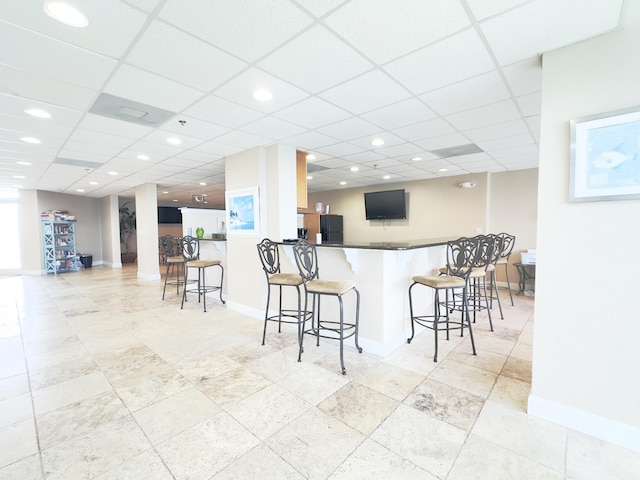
pixel 169 215
pixel 387 205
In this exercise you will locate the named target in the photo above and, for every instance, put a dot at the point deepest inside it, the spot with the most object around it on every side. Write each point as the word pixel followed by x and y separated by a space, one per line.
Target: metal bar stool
pixel 191 254
pixel 508 241
pixel 461 258
pixel 306 257
pixel 269 254
pixel 171 249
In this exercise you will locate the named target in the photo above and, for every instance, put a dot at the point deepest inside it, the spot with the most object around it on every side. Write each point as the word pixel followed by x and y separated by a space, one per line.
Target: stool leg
pixel 266 313
pixel 466 309
pixel 221 280
pixel 280 309
pixel 184 288
pixel 436 317
pixel 166 277
pixel 357 319
pixel 344 371
pixel 202 288
pixel 413 331
pixel 506 273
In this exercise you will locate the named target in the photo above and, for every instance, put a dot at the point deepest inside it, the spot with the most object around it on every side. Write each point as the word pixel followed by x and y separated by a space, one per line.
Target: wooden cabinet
pixel 301 178
pixel 312 224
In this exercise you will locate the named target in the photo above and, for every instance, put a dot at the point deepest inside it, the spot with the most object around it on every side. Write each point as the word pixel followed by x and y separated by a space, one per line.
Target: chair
pixel 461 258
pixel 171 256
pixel 478 276
pixel 496 250
pixel 306 257
pixel 191 254
pixel 270 258
pixel 508 241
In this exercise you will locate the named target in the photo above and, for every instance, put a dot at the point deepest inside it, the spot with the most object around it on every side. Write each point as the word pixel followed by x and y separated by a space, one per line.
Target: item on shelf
pixel 200 232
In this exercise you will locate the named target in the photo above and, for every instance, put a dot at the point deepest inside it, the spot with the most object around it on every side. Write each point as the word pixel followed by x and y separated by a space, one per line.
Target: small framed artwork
pixel 605 156
pixel 243 212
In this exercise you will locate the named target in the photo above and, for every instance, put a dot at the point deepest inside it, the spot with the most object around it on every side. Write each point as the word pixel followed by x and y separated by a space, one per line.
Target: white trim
pixel 248 311
pixel 600 427
pixel 149 276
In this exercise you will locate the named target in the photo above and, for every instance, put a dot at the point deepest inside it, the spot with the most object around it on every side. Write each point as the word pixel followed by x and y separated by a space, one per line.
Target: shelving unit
pixel 59 241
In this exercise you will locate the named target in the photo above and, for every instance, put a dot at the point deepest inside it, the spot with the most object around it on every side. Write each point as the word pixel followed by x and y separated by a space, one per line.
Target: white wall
pixel 585 352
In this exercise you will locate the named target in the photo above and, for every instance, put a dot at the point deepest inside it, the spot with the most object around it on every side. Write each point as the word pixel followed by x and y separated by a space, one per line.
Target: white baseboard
pixel 149 276
pixel 248 311
pixel 603 428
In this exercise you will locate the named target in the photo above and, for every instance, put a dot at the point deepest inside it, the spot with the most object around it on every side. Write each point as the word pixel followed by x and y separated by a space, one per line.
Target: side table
pixel 527 272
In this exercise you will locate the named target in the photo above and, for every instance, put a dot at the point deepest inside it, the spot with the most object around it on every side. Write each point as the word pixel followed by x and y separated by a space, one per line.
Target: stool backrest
pixel 496 248
pixel 190 248
pixel 307 260
pixel 508 241
pixel 462 256
pixel 169 246
pixel 269 256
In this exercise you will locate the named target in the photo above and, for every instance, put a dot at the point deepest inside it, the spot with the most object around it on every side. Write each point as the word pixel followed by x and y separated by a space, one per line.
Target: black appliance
pixel 331 228
pixel 302 233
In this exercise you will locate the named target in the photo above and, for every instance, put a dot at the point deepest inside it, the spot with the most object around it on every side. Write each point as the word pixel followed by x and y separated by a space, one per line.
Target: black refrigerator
pixel 331 228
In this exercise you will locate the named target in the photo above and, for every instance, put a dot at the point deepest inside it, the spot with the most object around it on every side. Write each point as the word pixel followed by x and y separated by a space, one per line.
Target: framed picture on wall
pixel 243 212
pixel 605 156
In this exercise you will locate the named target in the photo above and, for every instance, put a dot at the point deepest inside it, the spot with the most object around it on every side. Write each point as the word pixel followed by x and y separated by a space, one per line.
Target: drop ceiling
pixel 428 77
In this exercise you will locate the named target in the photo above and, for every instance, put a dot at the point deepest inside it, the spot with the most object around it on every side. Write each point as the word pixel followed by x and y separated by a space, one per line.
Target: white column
pixel 147 231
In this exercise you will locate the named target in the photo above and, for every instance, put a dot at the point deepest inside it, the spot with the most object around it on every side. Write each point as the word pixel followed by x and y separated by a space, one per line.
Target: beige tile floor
pixel 101 379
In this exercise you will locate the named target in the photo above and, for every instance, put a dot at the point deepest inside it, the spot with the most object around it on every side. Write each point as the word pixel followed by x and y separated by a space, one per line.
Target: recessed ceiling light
pixel 204 194
pixel 36 112
pixel 203 184
pixel 80 190
pixel 66 14
pixel 174 141
pixel 22 162
pixel 354 169
pixel 343 183
pixel 443 169
pixel 416 159
pixel 165 192
pixel 309 177
pixel 311 156
pixel 377 142
pixel 30 140
pixel 386 177
pixel 113 173
pixel 174 200
pixel 19 176
pixel 262 95
pixel 93 183
pixel 142 157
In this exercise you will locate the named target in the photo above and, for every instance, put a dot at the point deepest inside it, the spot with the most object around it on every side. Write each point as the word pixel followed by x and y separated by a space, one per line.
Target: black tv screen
pixel 387 205
pixel 169 215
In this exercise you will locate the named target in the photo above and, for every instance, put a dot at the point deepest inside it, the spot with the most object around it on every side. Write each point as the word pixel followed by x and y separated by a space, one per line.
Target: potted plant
pixel 127 229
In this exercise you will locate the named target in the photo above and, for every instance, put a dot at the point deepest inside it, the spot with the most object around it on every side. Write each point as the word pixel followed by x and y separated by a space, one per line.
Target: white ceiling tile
pixel 506 142
pixel 339 149
pixel 312 112
pixel 249 29
pixel 365 156
pixel 399 114
pixel 89 137
pixel 194 127
pixel 96 68
pixel 531 104
pixel 499 130
pixel 174 54
pixel 244 140
pixel 486 115
pixel 515 151
pixel 310 140
pixel 524 77
pixel 354 127
pixel 365 93
pixel 222 112
pixel 241 89
pixel 319 7
pixel 468 94
pixel 404 149
pixel 112 25
pixel 273 128
pixel 98 123
pixel 429 129
pixel 545 25
pixel 160 137
pixel 316 60
pixel 410 23
pixel 388 138
pixel 443 141
pixel 144 87
pixel 45 89
pixel 534 123
pixel 486 8
pixel 451 60
pixel 146 5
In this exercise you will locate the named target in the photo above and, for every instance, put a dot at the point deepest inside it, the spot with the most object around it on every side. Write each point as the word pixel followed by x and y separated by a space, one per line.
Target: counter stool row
pixel 182 254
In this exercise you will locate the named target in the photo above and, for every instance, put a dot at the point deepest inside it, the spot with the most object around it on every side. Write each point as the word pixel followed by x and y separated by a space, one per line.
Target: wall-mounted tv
pixel 387 205
pixel 169 215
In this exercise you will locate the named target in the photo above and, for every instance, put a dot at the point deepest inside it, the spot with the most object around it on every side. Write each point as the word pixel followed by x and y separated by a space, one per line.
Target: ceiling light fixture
pixel 36 112
pixel 377 142
pixel 262 95
pixel 30 140
pixel 19 176
pixel 204 184
pixel 471 184
pixel 343 183
pixel 80 190
pixel 142 157
pixel 174 141
pixel 309 177
pixel 93 183
pixel 23 163
pixel 174 200
pixel 311 156
pixel 416 159
pixel 113 173
pixel 354 169
pixel 443 169
pixel 386 177
pixel 66 14
pixel 165 192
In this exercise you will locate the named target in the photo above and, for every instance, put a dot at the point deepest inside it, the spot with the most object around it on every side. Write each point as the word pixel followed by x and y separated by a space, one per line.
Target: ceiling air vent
pixel 77 163
pixel 457 151
pixel 130 111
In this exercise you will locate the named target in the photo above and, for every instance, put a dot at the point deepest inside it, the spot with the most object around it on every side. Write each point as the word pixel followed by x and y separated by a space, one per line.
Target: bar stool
pixel 461 258
pixel 171 249
pixel 306 257
pixel 496 250
pixel 191 254
pixel 270 257
pixel 508 242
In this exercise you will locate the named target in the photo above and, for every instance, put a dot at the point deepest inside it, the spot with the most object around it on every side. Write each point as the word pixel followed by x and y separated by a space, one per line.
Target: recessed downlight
pixel 80 190
pixel 309 177
pixel 37 112
pixel 66 14
pixel 204 184
pixel 93 183
pixel 32 140
pixel 311 156
pixel 262 95
pixel 165 192
pixel 354 169
pixel 416 159
pixel 22 162
pixel 386 177
pixel 174 200
pixel 19 176
pixel 343 183
pixel 377 142
pixel 174 141
pixel 142 157
pixel 112 173
pixel 443 169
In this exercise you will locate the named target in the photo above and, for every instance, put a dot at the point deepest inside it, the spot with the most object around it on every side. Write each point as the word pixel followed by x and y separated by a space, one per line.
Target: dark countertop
pixel 408 245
